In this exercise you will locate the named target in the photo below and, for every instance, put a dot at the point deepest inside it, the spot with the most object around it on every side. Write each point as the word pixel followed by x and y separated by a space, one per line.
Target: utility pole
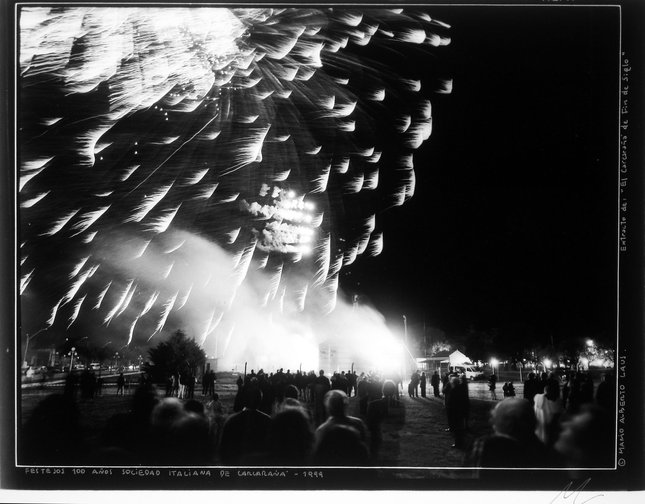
pixel 405 343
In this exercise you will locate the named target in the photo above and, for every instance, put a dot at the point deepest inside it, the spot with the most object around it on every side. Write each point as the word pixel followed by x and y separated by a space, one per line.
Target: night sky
pixel 512 224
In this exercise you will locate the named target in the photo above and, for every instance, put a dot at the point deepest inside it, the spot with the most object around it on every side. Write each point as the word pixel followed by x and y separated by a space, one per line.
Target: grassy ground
pixel 413 437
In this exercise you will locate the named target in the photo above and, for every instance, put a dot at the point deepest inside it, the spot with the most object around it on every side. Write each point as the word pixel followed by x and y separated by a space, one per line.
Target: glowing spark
pixel 322 260
pixel 149 202
pixel 30 169
pixel 126 303
pixel 49 322
pixel 33 201
pixel 350 18
pixel 412 84
pixel 301 295
pixel 50 121
pixel 355 184
pixel 60 223
pixel 243 265
pixel 248 149
pixel 131 333
pixel 129 171
pixel 24 281
pixel 89 237
pixel 331 288
pixel 230 199
pixel 167 307
pixel 371 180
pixel 143 250
pixel 197 177
pixel 419 133
pixel 446 87
pixel 413 36
pixel 149 304
pixel 116 307
pixel 174 248
pixel 375 158
pixel 207 192
pixel 376 245
pixel 87 219
pixel 184 299
pixel 160 224
pixel 167 273
pixel 348 126
pixel 342 166
pixel 350 255
pixel 232 235
pixel 93 270
pixel 75 312
pixel 403 123
pixel 436 41
pixel 425 109
pixel 78 267
pixel 101 295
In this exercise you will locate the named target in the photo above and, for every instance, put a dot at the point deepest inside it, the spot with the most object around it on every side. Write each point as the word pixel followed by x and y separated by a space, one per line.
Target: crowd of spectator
pixel 557 423
pixel 280 418
pixel 293 418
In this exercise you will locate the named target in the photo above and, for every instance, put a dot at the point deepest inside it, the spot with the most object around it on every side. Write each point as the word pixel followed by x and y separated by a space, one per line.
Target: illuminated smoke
pixel 191 167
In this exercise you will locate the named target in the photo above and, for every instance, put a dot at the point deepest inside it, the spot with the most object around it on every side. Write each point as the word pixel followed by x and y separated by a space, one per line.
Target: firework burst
pixel 149 134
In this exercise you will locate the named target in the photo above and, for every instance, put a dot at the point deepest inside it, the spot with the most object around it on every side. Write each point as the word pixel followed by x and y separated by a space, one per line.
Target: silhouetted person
pixel 513 443
pixel 606 392
pixel 531 386
pixel 52 435
pixel 195 406
pixel 290 437
pixel 377 411
pixel 336 403
pixel 120 384
pixel 189 442
pixel 341 445
pixel 244 434
pixel 457 410
pixel 422 384
pixel 548 408
pixel 435 381
pixel 70 386
pixel 321 386
pixel 587 439
pixel 492 386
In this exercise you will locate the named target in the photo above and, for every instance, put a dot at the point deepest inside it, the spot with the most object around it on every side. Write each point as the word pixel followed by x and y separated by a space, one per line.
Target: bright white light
pixel 494 362
pixel 291 194
pixel 589 342
pixel 309 205
pixel 547 363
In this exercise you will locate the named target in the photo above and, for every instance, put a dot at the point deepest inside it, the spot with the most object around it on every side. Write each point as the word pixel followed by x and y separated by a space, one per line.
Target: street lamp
pixel 547 364
pixel 71 361
pixel 589 342
pixel 494 363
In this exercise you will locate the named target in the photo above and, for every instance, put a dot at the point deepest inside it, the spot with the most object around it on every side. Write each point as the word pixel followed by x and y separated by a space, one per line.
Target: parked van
pixel 471 372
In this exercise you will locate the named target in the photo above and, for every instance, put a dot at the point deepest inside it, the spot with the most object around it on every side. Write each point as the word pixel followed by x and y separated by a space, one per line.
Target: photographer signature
pixel 569 496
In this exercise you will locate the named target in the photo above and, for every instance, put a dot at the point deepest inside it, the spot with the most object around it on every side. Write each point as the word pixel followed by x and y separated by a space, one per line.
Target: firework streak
pixel 147 135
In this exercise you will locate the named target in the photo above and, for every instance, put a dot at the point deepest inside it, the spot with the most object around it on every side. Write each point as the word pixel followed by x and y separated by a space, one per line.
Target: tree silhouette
pixel 176 355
